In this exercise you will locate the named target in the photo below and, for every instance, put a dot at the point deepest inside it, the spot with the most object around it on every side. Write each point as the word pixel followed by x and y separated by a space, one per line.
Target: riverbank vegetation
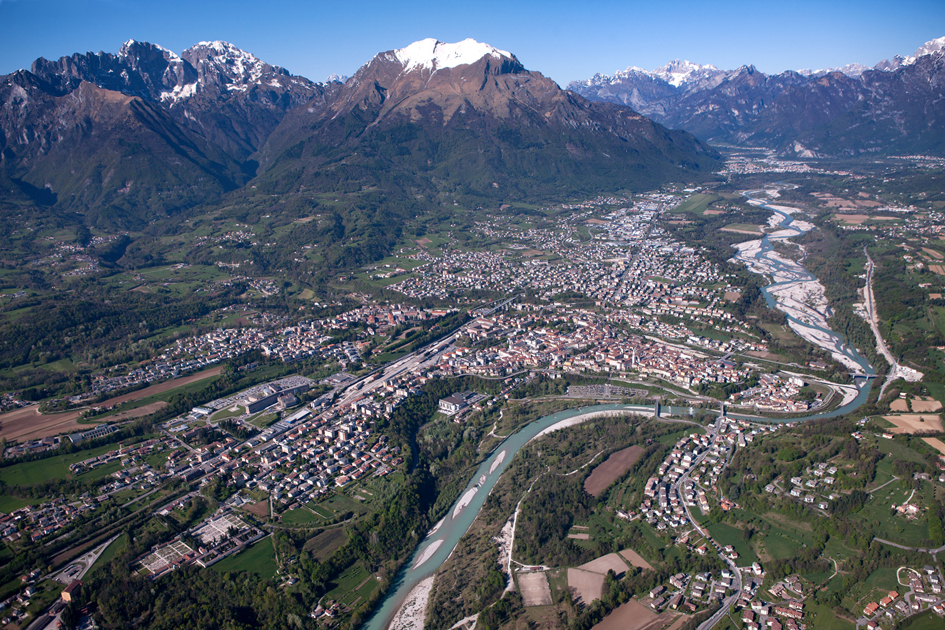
pixel 472 580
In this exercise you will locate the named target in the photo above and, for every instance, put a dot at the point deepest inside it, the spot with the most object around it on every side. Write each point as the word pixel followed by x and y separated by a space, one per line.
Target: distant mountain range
pixel 894 107
pixel 124 139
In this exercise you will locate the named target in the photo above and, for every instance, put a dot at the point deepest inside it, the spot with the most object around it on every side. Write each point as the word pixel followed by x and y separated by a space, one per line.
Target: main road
pixel 676 487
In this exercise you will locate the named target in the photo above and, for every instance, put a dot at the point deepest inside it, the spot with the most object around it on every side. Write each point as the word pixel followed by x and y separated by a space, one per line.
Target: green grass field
pixel 899 451
pixel 101 471
pixel 825 619
pixel 696 204
pixel 744 227
pixel 301 516
pixel 259 559
pixel 263 420
pixel 111 552
pixel 339 505
pixel 937 390
pixel 223 414
pixel 836 583
pixel 671 438
pixel 925 621
pixel 780 546
pixel 817 578
pixel 725 534
pixel 654 541
pixel 156 460
pixel 884 579
pixel 788 529
pixel 9 504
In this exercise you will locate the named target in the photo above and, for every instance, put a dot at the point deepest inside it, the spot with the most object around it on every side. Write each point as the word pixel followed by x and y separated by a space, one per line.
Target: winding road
pixel 737 585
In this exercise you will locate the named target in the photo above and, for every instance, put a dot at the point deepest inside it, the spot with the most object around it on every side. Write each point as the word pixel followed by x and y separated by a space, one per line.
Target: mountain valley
pixel 443 345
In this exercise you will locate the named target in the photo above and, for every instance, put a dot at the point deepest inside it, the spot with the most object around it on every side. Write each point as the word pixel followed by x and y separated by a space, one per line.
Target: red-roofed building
pixel 71 591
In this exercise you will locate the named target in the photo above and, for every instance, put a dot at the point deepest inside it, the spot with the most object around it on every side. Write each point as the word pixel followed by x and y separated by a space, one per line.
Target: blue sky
pixel 563 40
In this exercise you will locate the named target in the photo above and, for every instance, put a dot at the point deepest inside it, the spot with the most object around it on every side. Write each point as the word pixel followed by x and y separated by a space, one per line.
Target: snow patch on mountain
pixel 179 93
pixel 171 55
pixel 430 54
pixel 853 70
pixel 125 51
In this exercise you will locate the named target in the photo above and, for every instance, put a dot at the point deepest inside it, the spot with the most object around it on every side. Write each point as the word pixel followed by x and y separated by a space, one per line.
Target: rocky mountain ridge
pixel 847 111
pixel 485 123
pixel 159 132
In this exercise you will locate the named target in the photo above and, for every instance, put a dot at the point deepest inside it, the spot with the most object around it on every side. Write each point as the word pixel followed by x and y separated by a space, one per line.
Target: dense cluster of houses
pixel 287 343
pixel 773 393
pixel 924 593
pixel 46 519
pixel 703 457
pixel 586 342
pixel 629 262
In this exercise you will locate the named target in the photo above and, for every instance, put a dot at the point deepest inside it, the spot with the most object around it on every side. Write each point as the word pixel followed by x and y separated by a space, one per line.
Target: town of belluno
pixel 623 315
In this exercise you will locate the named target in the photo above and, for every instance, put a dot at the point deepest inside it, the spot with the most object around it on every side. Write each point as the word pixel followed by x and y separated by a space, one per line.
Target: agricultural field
pixel 28 423
pixel 742 228
pixel 611 469
pixel 725 535
pixel 325 543
pixel 354 585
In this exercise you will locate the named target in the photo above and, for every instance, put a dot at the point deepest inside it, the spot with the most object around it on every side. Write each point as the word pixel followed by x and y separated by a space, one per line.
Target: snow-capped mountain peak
pixel 928 48
pixel 225 50
pixel 133 48
pixel 430 54
pixel 232 69
pixel 677 72
pixel 238 65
